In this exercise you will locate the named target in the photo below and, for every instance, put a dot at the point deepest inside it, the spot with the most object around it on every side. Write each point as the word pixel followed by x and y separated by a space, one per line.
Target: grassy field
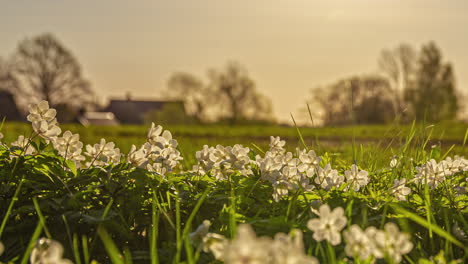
pixel 369 194
pixel 344 141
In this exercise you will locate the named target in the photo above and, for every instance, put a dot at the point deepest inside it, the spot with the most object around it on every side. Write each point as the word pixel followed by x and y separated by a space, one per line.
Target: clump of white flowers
pixel 328 225
pixel 389 243
pixel 433 173
pixel 137 157
pixel 159 153
pixel 399 190
pixel 161 150
pixel 358 243
pixel 102 154
pixel 24 144
pixel 43 120
pixel 222 161
pixel 328 177
pixel 246 247
pixel 48 251
pixel 356 178
pixel 69 147
pixel 288 171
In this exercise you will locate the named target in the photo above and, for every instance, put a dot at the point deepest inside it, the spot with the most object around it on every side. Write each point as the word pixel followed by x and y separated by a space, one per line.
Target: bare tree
pixel 45 69
pixel 229 94
pixel 354 100
pixel 192 91
pixel 7 81
pixel 236 95
pixel 399 66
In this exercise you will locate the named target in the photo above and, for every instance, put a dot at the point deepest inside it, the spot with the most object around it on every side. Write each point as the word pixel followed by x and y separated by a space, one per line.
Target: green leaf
pixel 72 166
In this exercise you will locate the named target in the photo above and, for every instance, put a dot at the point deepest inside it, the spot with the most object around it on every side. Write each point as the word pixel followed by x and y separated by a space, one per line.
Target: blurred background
pixel 242 70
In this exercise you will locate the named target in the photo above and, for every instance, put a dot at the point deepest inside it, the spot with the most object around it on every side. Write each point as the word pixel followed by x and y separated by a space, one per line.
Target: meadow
pixel 265 194
pixel 341 141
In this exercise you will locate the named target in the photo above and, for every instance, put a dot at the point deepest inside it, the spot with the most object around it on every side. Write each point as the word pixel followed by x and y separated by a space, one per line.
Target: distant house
pixel 98 118
pixel 8 108
pixel 130 111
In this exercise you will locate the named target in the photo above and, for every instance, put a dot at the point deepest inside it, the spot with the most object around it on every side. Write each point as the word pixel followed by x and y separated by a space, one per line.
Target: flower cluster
pixel 389 243
pixel 48 251
pixel 246 247
pixel 69 147
pixel 43 120
pixel 399 190
pixel 356 178
pixel 24 144
pixel 288 172
pixel 102 154
pixel 433 173
pixel 222 161
pixel 159 153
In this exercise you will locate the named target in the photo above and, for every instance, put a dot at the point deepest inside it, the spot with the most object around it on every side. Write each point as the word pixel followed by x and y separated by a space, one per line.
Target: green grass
pixel 332 139
pixel 121 214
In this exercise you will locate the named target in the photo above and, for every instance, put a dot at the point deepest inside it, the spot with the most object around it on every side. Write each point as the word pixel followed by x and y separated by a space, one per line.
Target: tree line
pixel 42 68
pixel 410 85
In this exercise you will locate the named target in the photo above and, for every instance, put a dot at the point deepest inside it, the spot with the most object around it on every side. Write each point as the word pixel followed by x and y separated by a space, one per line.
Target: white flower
pixel 393 162
pixel 223 161
pixel 432 173
pixel 358 244
pixel 308 160
pixel 270 167
pixel 356 178
pixel 280 188
pixel 154 132
pixel 23 142
pixel 160 150
pixel 400 191
pixel 327 177
pixel 40 112
pixel 390 242
pixel 246 248
pixel 202 230
pixel 455 165
pixel 48 130
pixel 328 225
pixel 166 140
pixel 137 157
pixel 289 249
pixel 209 242
pixel 69 146
pixel 48 251
pixel 216 244
pixel 43 120
pixel 277 145
pixel 102 154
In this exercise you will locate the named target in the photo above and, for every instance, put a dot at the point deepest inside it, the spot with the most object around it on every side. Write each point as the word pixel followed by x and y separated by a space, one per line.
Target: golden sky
pixel 288 46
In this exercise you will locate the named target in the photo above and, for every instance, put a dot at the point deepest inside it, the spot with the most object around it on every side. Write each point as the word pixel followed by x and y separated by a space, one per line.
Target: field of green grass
pixel 368 194
pixel 340 140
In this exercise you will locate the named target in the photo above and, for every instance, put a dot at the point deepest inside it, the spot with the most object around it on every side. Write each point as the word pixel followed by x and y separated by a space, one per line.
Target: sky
pixel 288 46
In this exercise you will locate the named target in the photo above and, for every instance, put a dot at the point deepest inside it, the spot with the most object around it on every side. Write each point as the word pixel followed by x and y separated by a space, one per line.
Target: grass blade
pixel 421 221
pixel 109 245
